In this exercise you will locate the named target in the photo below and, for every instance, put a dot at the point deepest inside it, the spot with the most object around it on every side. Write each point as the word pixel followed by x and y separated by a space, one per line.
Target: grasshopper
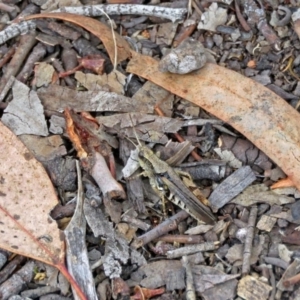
pixel 183 197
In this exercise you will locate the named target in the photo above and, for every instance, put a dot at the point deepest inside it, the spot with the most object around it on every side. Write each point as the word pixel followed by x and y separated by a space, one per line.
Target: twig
pixel 7 56
pixel 292 280
pixel 173 14
pixel 37 53
pixel 102 175
pixel 6 88
pixel 59 68
pixel 161 229
pixel 207 246
pixel 15 30
pixel 276 262
pixel 273 283
pixel 182 239
pixel 249 240
pixel 25 45
pixel 190 289
pixel 11 267
pixel 240 17
pixel 286 19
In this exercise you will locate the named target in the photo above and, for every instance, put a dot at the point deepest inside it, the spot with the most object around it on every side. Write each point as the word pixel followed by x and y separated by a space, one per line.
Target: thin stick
pixel 190 288
pixel 249 240
pixel 173 14
pixel 161 229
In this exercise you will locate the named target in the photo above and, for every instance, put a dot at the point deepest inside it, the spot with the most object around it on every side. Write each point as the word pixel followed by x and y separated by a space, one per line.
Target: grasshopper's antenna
pixel 138 140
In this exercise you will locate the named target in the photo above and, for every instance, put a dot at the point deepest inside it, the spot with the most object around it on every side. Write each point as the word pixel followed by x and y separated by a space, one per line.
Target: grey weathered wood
pixel 231 187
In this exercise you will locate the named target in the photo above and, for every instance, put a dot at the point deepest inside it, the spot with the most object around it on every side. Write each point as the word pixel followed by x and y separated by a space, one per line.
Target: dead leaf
pixel 26 198
pixel 259 193
pixel 43 74
pixel 213 17
pixel 114 80
pixel 97 28
pixel 25 113
pixel 262 116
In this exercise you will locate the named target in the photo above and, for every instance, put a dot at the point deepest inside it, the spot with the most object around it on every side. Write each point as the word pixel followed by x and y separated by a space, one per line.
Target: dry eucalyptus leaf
pixel 213 17
pixel 262 116
pixel 25 113
pixel 26 199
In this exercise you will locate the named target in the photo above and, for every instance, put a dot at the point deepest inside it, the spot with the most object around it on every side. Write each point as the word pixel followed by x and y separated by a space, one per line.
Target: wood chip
pixel 250 287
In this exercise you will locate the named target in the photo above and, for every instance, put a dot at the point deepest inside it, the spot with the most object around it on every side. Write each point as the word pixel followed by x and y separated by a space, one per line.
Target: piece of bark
pixel 134 185
pixel 266 223
pixel 175 280
pixel 212 283
pixel 231 187
pixel 285 283
pixel 235 253
pixel 251 288
pixel 205 169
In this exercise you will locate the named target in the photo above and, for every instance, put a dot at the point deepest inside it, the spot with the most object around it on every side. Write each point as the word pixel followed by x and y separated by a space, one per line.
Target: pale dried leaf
pixel 248 106
pixel 25 113
pixel 26 199
pixel 43 74
pixel 114 80
pixel 213 17
pixel 284 253
pixel 229 157
pixel 259 193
